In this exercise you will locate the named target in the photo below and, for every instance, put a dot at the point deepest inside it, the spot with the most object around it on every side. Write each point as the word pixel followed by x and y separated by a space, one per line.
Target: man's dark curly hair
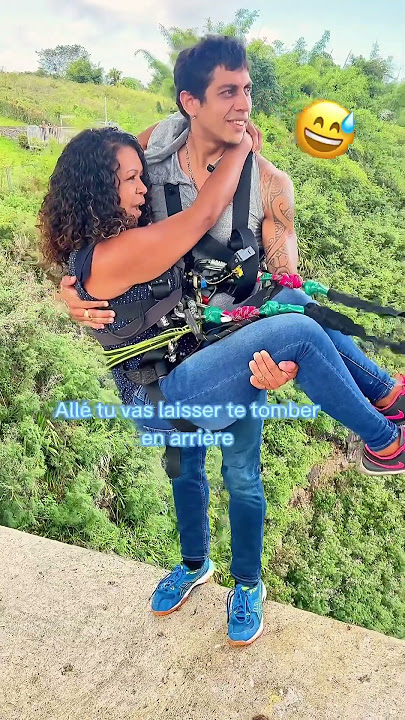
pixel 195 66
pixel 82 204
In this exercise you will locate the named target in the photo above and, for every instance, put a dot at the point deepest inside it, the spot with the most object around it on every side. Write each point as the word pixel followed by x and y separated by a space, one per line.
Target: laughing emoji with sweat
pixel 324 129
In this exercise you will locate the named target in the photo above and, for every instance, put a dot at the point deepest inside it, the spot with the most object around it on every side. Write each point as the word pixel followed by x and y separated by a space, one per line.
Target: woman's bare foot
pixel 390 449
pixel 392 395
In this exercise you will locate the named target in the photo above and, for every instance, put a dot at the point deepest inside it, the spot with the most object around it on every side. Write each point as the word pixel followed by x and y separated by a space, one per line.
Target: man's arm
pixel 143 137
pixel 279 238
pixel 280 247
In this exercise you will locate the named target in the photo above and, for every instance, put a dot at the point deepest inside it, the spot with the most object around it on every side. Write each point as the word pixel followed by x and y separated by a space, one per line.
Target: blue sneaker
pixel 245 618
pixel 174 589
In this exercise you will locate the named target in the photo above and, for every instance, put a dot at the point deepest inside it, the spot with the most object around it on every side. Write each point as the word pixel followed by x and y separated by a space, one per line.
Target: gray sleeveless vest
pixel 164 167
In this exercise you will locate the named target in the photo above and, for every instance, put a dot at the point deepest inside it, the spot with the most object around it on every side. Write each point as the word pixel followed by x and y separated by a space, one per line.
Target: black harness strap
pixel 241 201
pixel 154 366
pixel 241 238
pixel 337 296
pixel 337 321
pixel 142 320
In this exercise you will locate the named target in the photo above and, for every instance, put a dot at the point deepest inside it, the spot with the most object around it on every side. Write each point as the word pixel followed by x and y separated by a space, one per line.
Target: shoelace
pixel 242 607
pixel 174 576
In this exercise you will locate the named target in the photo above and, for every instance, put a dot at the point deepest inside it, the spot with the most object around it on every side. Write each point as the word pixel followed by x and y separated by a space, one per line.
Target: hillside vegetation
pixel 334 539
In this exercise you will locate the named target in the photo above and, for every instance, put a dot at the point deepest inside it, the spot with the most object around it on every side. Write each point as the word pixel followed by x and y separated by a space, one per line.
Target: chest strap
pixel 242 247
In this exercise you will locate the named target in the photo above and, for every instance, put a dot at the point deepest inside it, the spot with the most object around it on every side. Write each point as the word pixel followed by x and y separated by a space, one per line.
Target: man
pixel 213 92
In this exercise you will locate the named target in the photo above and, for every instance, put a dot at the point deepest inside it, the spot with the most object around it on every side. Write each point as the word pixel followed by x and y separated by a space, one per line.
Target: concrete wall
pixel 12 133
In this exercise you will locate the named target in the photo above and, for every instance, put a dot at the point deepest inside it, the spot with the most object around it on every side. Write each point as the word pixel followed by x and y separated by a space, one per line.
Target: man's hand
pixel 269 376
pixel 82 311
pixel 256 136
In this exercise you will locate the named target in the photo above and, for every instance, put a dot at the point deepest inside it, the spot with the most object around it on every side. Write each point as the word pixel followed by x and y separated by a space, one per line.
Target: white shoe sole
pixel 362 469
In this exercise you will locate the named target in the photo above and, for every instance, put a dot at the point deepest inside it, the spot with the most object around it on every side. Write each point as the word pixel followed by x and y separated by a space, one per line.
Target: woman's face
pixel 129 181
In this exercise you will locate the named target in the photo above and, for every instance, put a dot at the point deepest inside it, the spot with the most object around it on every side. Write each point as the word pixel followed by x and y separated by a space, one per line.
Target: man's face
pixel 226 110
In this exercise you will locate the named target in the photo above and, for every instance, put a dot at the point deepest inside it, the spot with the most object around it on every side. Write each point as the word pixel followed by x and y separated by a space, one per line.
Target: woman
pixel 98 199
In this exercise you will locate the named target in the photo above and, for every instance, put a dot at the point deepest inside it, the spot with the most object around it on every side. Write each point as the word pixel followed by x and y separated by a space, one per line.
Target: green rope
pixel 271 307
pixel 117 356
pixel 212 314
pixel 311 287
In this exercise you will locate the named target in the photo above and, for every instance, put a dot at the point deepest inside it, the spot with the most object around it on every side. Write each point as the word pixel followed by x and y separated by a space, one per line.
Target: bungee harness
pixel 235 268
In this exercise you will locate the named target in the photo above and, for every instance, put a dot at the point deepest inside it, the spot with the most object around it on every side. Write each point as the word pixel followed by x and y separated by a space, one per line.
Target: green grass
pixel 11 153
pixel 10 122
pixel 30 98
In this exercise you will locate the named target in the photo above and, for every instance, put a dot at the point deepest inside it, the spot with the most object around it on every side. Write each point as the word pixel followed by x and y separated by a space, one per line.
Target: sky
pixel 112 30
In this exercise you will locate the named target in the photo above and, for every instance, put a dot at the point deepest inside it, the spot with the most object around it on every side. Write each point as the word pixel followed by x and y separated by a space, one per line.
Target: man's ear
pixel 189 103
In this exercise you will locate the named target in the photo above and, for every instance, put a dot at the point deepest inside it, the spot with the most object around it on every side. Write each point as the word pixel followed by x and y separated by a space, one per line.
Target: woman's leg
pixel 220 373
pixel 373 382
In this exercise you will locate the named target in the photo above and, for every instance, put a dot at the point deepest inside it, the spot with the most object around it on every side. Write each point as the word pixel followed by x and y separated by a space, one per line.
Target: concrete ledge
pixel 78 642
pixel 12 133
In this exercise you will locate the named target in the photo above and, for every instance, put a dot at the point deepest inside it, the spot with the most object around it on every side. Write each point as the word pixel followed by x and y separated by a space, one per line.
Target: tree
pixel 265 91
pixel 162 77
pixel 113 76
pixel 132 83
pixel 178 40
pixel 82 71
pixel 319 49
pixel 377 70
pixel 375 51
pixel 278 46
pixel 239 27
pixel 300 48
pixel 55 61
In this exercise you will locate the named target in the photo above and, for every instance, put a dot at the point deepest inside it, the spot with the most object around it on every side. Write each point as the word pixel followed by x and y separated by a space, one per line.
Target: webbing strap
pixel 241 200
pixel 337 296
pixel 337 321
pixel 142 322
pixel 172 456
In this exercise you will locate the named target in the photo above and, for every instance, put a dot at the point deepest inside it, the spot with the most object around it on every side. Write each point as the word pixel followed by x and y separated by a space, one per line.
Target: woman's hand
pixel 256 135
pixel 78 307
pixel 246 142
pixel 269 376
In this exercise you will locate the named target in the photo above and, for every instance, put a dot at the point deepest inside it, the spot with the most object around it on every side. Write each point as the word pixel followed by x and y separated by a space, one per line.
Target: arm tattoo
pixel 279 241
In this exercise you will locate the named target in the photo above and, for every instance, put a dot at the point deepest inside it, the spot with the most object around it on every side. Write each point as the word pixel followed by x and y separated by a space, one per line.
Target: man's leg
pixel 191 495
pixel 247 510
pixel 247 504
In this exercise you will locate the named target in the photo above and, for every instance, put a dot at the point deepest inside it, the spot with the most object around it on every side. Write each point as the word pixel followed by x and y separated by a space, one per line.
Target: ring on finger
pixel 86 314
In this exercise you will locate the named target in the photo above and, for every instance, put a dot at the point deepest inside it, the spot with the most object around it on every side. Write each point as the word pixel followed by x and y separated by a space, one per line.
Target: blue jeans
pixel 333 372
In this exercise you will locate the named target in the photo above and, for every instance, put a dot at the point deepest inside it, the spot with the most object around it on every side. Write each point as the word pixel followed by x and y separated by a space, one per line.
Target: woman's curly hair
pixel 82 204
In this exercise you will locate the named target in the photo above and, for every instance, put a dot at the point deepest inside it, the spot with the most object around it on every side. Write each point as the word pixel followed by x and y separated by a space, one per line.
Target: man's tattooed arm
pixel 279 238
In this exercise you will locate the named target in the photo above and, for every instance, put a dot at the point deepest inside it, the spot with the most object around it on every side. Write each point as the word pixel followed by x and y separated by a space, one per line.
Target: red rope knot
pixel 243 313
pixel 289 280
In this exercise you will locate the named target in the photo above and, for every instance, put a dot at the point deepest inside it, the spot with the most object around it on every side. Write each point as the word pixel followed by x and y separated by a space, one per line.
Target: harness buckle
pixel 240 257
